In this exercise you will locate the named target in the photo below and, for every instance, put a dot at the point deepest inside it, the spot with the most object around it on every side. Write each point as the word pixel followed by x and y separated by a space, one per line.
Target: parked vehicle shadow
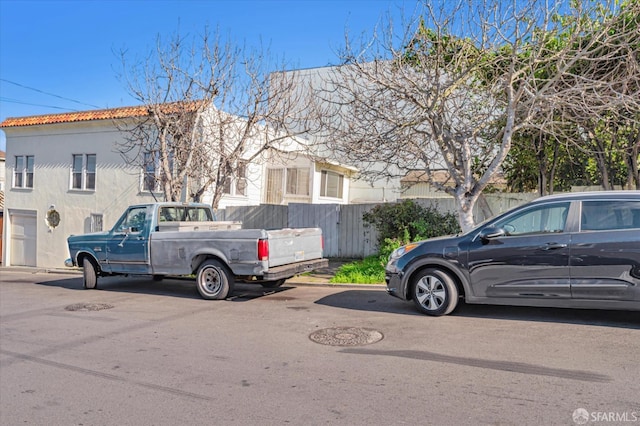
pixel 606 318
pixel 379 301
pixel 367 300
pixel 172 286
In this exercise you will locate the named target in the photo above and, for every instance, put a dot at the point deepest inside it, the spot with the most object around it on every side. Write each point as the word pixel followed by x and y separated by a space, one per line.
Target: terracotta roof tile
pixel 98 114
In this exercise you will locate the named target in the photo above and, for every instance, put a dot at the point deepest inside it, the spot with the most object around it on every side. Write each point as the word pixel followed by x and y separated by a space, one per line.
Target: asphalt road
pixel 137 352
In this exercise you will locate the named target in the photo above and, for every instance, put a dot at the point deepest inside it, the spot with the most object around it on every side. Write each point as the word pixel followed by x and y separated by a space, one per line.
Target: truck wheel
pixel 89 274
pixel 272 284
pixel 434 292
pixel 214 281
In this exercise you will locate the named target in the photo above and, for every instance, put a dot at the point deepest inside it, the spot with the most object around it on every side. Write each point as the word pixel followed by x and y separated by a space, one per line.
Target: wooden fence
pixel 345 233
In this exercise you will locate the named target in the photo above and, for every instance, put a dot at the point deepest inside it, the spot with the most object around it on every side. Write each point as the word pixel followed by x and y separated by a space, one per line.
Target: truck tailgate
pixel 294 245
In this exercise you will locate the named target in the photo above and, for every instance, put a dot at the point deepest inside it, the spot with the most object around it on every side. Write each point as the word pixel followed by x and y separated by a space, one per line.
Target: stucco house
pixel 2 188
pixel 64 175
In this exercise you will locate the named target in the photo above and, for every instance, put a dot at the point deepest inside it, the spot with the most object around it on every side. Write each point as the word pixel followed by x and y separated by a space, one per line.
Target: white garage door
pixel 23 238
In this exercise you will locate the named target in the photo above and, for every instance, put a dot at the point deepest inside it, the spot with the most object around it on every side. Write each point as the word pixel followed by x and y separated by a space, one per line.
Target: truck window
pixel 179 213
pixel 171 214
pixel 134 220
pixel 198 214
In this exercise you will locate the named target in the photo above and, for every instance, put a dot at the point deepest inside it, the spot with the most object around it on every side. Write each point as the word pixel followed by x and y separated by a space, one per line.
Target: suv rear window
pixel 610 215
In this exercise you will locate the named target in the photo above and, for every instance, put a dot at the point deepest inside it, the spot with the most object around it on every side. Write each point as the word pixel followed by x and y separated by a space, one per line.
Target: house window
pixel 331 184
pixel 274 186
pixel 297 181
pixel 83 172
pixel 23 172
pixel 151 175
pixel 96 222
pixel 237 186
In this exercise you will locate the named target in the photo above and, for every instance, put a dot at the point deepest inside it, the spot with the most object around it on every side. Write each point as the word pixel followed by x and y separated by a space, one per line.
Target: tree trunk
pixel 542 165
pixel 633 175
pixel 554 165
pixel 464 205
pixel 601 163
pixel 635 169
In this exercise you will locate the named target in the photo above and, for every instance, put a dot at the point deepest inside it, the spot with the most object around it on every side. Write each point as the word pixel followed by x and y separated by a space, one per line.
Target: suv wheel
pixel 434 292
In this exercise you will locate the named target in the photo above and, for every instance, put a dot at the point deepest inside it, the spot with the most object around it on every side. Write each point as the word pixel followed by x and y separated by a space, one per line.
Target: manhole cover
pixel 88 307
pixel 346 336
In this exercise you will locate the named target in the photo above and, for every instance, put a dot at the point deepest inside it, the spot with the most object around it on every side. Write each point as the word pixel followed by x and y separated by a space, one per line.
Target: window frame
pixel 96 222
pixel 150 172
pixel 324 184
pixel 23 171
pixel 237 186
pixel 299 186
pixel 84 177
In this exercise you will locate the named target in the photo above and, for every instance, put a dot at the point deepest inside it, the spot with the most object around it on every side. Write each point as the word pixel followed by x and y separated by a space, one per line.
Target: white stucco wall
pixel 3 185
pixel 52 146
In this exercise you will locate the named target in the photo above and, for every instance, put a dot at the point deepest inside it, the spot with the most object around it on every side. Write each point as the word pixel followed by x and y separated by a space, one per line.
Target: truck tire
pixel 89 274
pixel 214 280
pixel 272 284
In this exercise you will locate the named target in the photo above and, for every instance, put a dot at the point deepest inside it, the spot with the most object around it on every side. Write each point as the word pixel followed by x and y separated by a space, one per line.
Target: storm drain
pixel 88 307
pixel 346 336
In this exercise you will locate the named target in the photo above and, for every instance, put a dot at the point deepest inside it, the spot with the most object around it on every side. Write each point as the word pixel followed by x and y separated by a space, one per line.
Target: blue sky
pixel 58 56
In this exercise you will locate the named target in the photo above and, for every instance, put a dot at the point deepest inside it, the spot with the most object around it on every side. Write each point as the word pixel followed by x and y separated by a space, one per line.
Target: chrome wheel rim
pixel 431 292
pixel 211 281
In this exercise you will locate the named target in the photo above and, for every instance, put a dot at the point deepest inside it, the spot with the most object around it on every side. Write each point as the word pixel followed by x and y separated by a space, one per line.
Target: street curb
pixel 312 281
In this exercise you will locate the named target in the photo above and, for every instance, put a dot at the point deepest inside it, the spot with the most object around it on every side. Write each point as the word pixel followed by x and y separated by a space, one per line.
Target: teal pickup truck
pixel 161 239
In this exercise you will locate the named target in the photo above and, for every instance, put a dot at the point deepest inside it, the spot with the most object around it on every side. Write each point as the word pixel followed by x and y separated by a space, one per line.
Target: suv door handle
pixel 553 246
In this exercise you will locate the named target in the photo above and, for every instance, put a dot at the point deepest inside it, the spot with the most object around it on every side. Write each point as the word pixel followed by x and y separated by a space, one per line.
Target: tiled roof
pixel 98 114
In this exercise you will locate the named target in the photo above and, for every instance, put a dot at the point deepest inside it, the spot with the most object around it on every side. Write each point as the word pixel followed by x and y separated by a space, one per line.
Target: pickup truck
pixel 161 239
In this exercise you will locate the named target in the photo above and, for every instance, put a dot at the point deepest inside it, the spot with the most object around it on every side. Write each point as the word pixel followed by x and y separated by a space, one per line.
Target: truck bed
pixel 171 252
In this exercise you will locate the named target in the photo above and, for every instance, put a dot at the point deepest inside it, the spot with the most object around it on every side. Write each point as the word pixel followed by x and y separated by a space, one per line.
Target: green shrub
pixel 397 224
pixel 408 221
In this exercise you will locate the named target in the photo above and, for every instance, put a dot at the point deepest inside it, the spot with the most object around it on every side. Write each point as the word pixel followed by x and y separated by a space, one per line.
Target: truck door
pixel 128 242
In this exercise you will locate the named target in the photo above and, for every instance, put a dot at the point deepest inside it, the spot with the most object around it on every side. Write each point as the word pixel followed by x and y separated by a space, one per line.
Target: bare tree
pixel 454 88
pixel 598 95
pixel 212 109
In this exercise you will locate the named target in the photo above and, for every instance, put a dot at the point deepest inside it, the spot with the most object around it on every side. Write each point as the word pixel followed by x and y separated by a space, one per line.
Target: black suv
pixel 577 250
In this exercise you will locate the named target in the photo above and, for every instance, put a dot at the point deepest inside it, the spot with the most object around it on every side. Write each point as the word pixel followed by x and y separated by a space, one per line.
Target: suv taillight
pixel 263 250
